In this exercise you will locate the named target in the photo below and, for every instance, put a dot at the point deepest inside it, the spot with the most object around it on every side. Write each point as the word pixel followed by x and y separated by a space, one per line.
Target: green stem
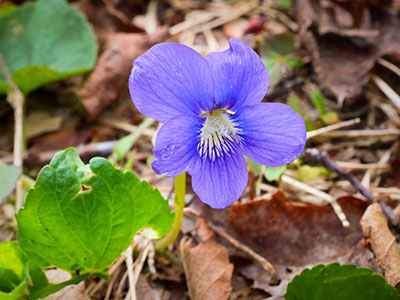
pixel 180 191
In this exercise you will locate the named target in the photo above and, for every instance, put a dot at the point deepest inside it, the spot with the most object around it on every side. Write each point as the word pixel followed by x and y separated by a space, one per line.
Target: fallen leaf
pixel 383 243
pixel 293 236
pixel 110 76
pixel 207 268
pixel 345 42
pixel 39 122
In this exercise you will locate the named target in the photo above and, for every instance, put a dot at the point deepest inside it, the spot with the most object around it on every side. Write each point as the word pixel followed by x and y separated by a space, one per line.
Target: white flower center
pixel 218 134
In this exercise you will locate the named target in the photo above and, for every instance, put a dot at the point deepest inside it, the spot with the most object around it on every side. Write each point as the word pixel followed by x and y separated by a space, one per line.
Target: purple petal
pixel 240 76
pixel 169 80
pixel 221 182
pixel 273 133
pixel 176 144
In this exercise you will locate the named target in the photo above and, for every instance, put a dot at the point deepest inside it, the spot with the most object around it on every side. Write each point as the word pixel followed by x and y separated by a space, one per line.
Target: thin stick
pixel 387 90
pixel 325 129
pixel 324 159
pixel 363 133
pixel 358 166
pixel 309 189
pixel 16 99
pixel 265 264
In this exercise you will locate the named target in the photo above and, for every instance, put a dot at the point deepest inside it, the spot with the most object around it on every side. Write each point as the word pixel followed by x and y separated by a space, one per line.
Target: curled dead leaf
pixel 383 243
pixel 207 268
pixel 110 76
pixel 345 39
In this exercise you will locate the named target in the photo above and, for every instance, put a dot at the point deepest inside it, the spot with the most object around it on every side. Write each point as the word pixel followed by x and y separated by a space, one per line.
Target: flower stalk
pixel 179 201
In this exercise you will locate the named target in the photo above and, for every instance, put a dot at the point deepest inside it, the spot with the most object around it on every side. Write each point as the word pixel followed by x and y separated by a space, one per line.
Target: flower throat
pixel 218 134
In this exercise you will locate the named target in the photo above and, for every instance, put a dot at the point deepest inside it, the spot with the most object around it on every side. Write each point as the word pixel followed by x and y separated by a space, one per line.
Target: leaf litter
pixel 340 46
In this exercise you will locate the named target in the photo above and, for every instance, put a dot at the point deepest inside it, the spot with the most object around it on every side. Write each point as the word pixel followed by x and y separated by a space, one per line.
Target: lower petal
pixel 221 182
pixel 273 133
pixel 176 144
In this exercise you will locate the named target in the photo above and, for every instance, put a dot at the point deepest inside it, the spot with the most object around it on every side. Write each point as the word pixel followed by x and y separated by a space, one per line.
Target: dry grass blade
pixel 387 90
pixel 309 189
pixel 16 99
pixel 225 17
pixel 329 128
pixel 390 66
pixel 363 133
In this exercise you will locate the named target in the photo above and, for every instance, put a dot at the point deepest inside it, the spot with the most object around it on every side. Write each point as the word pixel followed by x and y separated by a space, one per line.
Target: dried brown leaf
pixel 207 268
pixel 110 76
pixel 383 243
pixel 293 236
pixel 345 41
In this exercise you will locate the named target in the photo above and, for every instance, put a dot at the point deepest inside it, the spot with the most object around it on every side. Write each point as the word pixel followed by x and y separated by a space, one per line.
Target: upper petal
pixel 169 80
pixel 221 182
pixel 240 77
pixel 176 144
pixel 273 133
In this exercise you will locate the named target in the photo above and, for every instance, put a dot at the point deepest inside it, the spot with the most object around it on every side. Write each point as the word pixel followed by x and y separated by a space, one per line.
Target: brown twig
pixel 324 159
pixel 265 264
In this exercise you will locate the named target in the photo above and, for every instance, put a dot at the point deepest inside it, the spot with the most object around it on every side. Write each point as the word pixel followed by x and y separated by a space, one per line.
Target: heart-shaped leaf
pixel 336 282
pixel 80 218
pixel 44 41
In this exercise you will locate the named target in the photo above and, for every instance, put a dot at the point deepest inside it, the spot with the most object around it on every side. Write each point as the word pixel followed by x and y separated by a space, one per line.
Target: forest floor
pixel 335 62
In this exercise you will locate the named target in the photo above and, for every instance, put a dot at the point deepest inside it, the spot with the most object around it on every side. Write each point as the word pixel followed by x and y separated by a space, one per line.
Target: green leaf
pixel 255 167
pixel 14 271
pixel 272 173
pixel 274 69
pixel 6 8
pixel 330 117
pixel 308 173
pixel 336 282
pixel 9 176
pixel 319 102
pixel 126 143
pixel 123 146
pixel 286 4
pixel 294 61
pixel 281 44
pixel 45 41
pixel 294 102
pixel 80 218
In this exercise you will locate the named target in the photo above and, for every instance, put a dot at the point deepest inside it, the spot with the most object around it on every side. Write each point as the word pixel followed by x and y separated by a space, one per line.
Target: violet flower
pixel 212 114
